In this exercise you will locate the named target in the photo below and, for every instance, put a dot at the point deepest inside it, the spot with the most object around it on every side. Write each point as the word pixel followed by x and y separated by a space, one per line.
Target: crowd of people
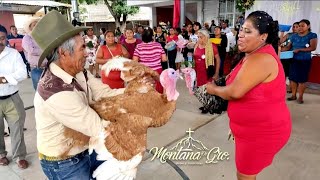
pixel 257 83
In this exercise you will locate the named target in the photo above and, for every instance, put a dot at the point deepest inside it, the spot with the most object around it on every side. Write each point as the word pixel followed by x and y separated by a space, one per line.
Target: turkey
pixel 128 116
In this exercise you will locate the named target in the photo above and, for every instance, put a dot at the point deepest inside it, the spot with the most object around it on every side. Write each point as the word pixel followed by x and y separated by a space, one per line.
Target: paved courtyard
pixel 298 160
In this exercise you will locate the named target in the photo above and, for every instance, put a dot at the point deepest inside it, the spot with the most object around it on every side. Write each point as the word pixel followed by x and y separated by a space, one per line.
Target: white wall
pixel 211 11
pixel 288 12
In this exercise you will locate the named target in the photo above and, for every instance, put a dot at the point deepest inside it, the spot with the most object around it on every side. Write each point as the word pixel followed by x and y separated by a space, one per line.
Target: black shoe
pixel 201 108
pixel 204 111
pixel 292 98
pixel 6 134
pixel 300 101
pixel 24 129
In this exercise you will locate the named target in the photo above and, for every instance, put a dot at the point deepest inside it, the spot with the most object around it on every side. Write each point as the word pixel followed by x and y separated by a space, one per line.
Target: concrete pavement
pixel 298 160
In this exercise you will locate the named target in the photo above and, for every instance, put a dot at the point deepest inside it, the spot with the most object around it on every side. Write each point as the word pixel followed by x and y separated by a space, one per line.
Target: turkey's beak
pixel 180 76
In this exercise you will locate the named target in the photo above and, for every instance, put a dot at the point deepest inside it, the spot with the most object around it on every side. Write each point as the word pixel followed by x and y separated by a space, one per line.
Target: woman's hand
pixel 211 87
pixel 296 50
pixel 216 76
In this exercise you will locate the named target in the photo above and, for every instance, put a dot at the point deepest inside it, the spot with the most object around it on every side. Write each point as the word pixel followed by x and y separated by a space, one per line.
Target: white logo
pixel 189 151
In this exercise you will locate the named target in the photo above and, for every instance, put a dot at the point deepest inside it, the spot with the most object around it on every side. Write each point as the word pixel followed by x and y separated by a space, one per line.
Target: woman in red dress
pixel 259 117
pixel 130 42
pixel 203 58
pixel 107 52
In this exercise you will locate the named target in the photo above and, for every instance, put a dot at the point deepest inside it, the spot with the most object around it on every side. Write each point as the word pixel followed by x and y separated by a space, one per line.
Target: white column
pixel 154 17
pixel 199 12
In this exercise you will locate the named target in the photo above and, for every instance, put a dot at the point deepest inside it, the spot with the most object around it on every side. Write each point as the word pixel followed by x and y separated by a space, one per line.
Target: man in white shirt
pixel 225 29
pixel 12 71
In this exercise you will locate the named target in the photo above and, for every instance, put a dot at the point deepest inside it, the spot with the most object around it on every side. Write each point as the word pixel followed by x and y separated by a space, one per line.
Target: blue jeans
pixel 94 163
pixel 35 76
pixel 75 168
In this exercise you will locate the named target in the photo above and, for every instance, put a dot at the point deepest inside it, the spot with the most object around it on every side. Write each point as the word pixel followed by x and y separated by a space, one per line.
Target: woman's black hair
pixel 264 23
pixel 3 29
pixel 147 35
pixel 297 23
pixel 109 31
pixel 197 24
pixel 178 30
pixel 307 22
pixel 103 30
pixel 129 29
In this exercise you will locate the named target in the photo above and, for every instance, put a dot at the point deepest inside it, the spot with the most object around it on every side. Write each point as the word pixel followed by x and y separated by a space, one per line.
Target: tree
pixel 117 8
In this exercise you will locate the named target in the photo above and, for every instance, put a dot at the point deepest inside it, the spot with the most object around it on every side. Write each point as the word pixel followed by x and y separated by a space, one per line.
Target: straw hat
pixel 53 30
pixel 26 26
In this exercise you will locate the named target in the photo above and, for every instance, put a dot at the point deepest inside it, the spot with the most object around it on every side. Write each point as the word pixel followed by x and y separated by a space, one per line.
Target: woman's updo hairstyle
pixel 264 23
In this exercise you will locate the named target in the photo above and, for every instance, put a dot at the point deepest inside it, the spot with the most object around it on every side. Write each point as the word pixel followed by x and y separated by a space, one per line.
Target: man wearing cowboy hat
pixel 32 51
pixel 62 100
pixel 12 71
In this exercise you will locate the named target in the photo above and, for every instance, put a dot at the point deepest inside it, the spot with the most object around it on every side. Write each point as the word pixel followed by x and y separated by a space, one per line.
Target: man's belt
pixel 6 97
pixel 51 158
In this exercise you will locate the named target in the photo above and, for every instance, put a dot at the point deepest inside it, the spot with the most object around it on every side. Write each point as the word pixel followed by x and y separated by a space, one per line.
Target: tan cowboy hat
pixel 26 26
pixel 53 30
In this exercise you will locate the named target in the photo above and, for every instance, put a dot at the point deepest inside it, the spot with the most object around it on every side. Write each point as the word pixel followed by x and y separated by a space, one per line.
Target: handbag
pixel 214 104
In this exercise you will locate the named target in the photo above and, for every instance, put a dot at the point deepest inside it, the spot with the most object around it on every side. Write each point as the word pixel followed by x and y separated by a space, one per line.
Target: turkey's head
pixel 168 80
pixel 190 78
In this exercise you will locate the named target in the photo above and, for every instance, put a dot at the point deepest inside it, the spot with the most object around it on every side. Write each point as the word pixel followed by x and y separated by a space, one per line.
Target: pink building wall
pixel 6 19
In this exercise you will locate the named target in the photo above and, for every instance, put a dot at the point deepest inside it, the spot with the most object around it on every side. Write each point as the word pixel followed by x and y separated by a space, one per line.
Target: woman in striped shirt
pixel 151 54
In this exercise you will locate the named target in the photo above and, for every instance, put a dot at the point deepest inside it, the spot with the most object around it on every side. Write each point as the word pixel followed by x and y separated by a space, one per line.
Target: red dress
pixel 260 121
pixel 200 65
pixel 131 46
pixel 113 80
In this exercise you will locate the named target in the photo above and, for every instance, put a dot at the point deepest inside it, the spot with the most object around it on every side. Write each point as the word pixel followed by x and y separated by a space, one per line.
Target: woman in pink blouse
pixel 150 54
pixel 32 52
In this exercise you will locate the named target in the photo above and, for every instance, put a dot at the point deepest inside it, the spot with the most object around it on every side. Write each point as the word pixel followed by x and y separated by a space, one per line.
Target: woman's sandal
pixel 300 101
pixel 292 98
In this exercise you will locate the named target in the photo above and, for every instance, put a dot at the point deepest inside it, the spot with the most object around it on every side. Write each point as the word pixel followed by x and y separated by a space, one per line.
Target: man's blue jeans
pixel 75 168
pixel 35 76
pixel 79 167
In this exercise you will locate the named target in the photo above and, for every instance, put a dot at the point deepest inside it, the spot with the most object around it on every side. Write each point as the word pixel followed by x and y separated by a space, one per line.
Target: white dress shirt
pixel 13 69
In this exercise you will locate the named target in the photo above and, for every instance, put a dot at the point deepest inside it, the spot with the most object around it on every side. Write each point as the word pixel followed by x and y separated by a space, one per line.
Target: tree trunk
pixel 117 21
pixel 124 22
pixel 123 26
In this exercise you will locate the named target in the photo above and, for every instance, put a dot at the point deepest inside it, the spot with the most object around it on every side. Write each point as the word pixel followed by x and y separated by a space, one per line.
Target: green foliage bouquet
pixel 243 5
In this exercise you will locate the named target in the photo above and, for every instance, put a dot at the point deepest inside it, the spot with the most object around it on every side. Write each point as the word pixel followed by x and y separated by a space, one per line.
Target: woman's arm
pixel 257 69
pixel 287 48
pixel 217 61
pixel 99 57
pixel 217 65
pixel 125 52
pixel 135 58
pixel 283 38
pixel 312 46
pixel 164 58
